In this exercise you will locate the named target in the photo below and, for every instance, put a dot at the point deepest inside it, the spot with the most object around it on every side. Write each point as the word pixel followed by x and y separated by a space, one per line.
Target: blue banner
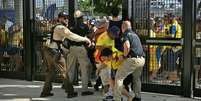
pixel 49 13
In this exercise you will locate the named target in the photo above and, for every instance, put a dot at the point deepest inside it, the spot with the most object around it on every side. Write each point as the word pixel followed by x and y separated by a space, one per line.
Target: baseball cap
pixel 101 23
pixel 78 14
pixel 114 31
pixel 63 14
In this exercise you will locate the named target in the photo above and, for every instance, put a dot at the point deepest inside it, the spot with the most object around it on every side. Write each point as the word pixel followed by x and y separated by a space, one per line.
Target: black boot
pixel 46 94
pixel 136 99
pixel 96 87
pixel 62 87
pixel 71 95
pixel 85 93
pixel 90 84
pixel 98 83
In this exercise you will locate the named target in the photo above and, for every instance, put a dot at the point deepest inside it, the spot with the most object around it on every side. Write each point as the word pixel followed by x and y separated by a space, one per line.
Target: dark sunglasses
pixel 65 18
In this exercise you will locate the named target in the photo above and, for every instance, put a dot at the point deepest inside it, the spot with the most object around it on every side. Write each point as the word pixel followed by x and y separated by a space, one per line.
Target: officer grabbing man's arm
pixel 61 31
pixel 54 58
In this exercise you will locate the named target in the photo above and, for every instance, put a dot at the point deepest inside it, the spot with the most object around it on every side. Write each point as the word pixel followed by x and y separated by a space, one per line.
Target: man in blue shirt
pixel 133 62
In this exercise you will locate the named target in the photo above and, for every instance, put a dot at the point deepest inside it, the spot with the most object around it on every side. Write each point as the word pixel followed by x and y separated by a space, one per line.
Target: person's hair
pixel 115 11
pixel 106 52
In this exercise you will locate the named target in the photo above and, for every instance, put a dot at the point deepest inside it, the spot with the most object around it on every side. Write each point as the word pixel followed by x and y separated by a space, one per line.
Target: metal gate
pixel 159 25
pixel 11 39
pixel 197 50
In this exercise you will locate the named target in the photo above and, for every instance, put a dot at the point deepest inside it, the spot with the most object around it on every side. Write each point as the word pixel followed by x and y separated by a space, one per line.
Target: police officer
pixel 54 58
pixel 133 62
pixel 78 54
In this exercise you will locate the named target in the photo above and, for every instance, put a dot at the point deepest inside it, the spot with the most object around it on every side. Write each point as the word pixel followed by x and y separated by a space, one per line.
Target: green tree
pixel 105 6
pixel 84 5
pixel 99 6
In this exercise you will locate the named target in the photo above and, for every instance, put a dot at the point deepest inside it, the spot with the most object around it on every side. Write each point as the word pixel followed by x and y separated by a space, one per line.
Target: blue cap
pixel 114 31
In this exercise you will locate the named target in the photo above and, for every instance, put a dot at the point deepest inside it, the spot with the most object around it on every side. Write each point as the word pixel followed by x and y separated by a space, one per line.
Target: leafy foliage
pixel 100 6
pixel 105 6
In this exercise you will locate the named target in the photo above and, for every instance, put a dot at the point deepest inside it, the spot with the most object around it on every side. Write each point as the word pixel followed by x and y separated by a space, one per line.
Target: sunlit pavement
pixel 19 90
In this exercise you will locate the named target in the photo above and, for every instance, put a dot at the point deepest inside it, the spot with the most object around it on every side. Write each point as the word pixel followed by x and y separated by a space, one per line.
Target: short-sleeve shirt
pixel 105 40
pixel 82 30
pixel 135 43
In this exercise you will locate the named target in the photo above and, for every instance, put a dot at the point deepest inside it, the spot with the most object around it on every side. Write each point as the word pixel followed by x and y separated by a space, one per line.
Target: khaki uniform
pixel 132 66
pixel 79 54
pixel 55 60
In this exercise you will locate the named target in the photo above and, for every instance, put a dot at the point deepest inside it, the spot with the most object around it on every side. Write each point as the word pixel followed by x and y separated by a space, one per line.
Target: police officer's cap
pixel 63 14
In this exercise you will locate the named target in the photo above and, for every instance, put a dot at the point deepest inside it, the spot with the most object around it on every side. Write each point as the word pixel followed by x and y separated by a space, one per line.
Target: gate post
pixel 188 30
pixel 125 10
pixel 28 57
pixel 71 12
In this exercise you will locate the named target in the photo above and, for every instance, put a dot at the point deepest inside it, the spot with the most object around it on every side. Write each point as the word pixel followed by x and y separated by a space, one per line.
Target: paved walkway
pixel 19 90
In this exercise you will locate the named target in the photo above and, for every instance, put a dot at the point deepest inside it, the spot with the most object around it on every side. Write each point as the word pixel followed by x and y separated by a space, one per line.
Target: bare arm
pixel 126 48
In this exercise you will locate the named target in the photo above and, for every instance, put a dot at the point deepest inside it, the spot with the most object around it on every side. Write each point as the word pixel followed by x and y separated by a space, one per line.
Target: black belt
pixel 135 56
pixel 55 50
pixel 76 44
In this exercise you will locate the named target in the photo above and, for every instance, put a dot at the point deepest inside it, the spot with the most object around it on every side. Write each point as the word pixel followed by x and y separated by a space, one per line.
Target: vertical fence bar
pixel 125 8
pixel 188 26
pixel 27 39
pixel 71 12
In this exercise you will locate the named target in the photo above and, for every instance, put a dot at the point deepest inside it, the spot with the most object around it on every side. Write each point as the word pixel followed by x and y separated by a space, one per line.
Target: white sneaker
pixel 5 54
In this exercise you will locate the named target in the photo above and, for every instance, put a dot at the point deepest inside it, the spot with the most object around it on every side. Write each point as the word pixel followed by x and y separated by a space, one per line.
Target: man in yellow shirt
pixel 106 40
pixel 101 43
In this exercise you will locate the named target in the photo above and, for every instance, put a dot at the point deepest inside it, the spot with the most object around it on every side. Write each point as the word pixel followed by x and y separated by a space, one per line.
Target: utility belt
pixel 59 43
pixel 54 51
pixel 135 56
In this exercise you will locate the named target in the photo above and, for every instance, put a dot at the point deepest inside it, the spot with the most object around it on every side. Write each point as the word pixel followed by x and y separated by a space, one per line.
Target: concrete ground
pixel 20 90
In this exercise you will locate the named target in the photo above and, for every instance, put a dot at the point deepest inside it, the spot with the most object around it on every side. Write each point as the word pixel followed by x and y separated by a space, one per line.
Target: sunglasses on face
pixel 65 18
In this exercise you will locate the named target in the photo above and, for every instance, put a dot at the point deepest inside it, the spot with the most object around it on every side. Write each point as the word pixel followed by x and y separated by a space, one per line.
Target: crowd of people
pixel 106 47
pixel 165 60
pixel 11 45
pixel 109 46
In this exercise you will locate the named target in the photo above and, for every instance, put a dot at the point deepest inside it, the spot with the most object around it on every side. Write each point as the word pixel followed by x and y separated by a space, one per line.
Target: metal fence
pixel 197 50
pixel 11 36
pixel 159 25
